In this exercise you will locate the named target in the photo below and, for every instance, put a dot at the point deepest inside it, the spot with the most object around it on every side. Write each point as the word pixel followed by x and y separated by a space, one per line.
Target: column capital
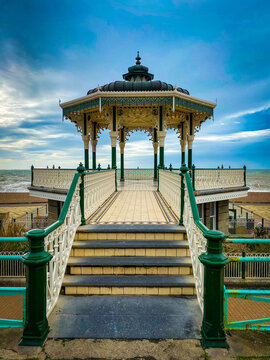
pixel 113 135
pixel 155 146
pixel 190 139
pixel 183 144
pixel 161 137
pixel 94 145
pixel 86 139
pixel 122 147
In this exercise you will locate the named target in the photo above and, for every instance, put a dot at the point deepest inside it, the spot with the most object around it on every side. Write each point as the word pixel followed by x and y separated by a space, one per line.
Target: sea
pixel 19 180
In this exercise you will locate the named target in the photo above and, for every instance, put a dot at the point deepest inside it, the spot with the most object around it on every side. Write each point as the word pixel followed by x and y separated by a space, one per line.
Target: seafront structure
pixel 155 231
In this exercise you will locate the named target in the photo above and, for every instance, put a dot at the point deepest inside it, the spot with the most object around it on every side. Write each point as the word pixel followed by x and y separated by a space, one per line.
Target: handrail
pixel 208 263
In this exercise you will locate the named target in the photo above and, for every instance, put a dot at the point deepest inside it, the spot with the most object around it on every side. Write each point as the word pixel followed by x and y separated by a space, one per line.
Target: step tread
pixel 129 280
pixel 128 261
pixel 132 244
pixel 131 228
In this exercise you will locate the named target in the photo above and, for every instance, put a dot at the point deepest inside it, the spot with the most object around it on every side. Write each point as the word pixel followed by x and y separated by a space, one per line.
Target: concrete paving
pixel 126 317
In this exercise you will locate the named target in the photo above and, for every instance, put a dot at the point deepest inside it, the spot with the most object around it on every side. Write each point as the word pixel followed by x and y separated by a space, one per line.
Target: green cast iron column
pixel 86 158
pixel 113 139
pixel 212 330
pixel 81 170
pixel 94 146
pixel 86 143
pixel 190 141
pixel 183 170
pixel 183 144
pixel 155 145
pixel 36 326
pixel 122 147
pixel 161 139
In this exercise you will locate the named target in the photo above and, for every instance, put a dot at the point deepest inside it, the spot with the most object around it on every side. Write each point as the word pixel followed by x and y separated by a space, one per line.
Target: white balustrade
pixel 59 243
pixel 206 179
pixel 53 178
pixel 170 188
pixel 197 246
pixel 97 188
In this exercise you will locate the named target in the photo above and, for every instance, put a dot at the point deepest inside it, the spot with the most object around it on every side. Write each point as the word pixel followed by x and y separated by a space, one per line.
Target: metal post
pixel 183 170
pixel 245 175
pixel 193 176
pixel 158 178
pixel 115 176
pixel 212 330
pixel 36 326
pixel 81 170
pixel 32 175
pixel 243 265
pixel 31 217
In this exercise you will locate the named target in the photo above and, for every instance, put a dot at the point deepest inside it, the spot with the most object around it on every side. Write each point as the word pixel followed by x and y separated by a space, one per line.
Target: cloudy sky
pixel 51 50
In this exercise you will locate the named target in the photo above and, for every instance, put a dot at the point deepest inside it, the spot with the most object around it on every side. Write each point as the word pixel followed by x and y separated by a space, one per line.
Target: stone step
pixel 131 232
pixel 128 285
pixel 130 248
pixel 129 265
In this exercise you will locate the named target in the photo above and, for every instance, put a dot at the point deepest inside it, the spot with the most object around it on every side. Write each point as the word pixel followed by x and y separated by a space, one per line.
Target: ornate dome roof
pixel 138 79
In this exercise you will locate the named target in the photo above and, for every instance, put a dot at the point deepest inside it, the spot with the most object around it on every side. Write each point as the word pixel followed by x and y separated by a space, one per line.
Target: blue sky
pixel 51 50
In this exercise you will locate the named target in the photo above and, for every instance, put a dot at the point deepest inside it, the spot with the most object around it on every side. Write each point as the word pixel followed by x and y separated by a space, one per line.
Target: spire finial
pixel 138 58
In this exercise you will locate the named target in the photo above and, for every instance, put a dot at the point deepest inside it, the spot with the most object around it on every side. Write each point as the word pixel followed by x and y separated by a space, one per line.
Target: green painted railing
pixel 36 260
pixel 9 291
pixel 252 324
pixel 213 260
pixel 255 295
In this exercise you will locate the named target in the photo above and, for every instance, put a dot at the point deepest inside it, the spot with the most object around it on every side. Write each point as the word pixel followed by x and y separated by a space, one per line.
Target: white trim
pixel 47 195
pixel 219 197
pixel 128 94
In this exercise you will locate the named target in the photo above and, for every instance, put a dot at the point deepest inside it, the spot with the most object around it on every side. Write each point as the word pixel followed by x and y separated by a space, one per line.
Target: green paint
pixel 84 125
pixel 183 154
pixel 86 158
pixel 161 157
pixel 157 100
pixel 183 170
pixel 114 118
pixel 94 161
pixel 113 157
pixel 36 324
pixel 212 330
pixel 155 167
pixel 243 265
pixel 81 170
pixel 189 158
pixel 191 124
pixel 160 119
pixel 122 177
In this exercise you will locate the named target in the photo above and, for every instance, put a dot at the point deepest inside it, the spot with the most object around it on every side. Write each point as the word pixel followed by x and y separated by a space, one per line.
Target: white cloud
pixel 247 112
pixel 242 135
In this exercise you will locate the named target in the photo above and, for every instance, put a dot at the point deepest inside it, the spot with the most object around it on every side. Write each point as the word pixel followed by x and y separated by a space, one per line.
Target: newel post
pixel 81 170
pixel 245 175
pixel 212 330
pixel 36 326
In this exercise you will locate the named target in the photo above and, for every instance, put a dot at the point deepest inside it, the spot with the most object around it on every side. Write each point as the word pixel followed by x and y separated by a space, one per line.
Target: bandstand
pixel 138 103
pixel 106 238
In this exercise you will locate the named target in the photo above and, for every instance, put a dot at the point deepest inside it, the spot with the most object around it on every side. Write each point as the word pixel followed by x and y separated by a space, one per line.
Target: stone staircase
pixel 129 260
